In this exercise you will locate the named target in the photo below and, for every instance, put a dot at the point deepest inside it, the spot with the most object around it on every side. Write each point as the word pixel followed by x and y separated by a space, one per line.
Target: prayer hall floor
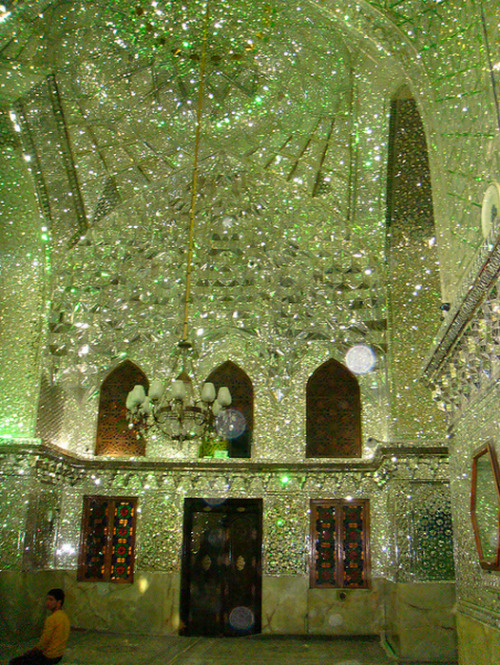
pixel 96 648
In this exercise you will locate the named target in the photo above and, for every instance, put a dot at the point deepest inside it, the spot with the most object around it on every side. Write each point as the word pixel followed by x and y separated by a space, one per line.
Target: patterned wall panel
pixel 50 414
pixel 458 56
pixel 14 495
pixel 159 537
pixel 41 527
pixel 423 531
pixel 285 531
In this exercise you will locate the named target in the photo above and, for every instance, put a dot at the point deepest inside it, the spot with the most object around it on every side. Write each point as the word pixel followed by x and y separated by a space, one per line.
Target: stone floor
pixel 93 648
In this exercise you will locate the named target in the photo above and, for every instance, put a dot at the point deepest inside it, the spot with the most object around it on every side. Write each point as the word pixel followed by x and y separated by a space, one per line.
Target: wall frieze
pixel 237 477
pixel 464 362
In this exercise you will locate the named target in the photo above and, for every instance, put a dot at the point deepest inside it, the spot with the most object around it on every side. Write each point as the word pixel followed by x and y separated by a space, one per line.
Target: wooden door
pixel 221 567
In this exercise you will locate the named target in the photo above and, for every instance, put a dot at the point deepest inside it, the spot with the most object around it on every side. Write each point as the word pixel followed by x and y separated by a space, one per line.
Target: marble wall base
pixel 290 607
pixel 478 643
pixel 417 618
pixel 346 612
pixel 23 601
pixel 149 606
pixel 420 623
pixel 284 604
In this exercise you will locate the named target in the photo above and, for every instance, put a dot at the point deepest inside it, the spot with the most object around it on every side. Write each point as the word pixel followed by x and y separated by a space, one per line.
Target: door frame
pixel 224 506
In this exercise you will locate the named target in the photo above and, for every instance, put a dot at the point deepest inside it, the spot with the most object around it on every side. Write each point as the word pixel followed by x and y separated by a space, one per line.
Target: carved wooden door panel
pixel 221 567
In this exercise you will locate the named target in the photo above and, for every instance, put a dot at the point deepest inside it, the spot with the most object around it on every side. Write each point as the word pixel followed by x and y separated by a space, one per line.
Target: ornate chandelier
pixel 179 412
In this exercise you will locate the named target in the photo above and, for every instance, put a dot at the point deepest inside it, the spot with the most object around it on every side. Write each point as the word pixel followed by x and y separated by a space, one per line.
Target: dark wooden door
pixel 221 567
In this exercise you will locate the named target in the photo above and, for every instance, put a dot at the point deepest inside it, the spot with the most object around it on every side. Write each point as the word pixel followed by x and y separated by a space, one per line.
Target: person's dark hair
pixel 58 594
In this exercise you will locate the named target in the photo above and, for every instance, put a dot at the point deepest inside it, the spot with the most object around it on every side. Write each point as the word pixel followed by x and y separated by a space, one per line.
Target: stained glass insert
pixel 107 540
pixel 122 547
pixel 95 539
pixel 353 545
pixel 114 437
pixel 339 537
pixel 241 389
pixel 325 546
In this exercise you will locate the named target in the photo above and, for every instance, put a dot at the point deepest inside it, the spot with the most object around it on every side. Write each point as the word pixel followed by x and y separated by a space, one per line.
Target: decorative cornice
pixel 46 454
pixel 401 463
pixel 478 280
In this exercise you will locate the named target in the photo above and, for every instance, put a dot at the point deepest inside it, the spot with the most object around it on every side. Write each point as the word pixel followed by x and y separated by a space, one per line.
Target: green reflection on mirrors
pixel 485 506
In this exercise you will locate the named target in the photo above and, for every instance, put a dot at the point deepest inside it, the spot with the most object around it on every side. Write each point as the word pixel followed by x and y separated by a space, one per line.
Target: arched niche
pixel 333 412
pixel 409 212
pixel 114 437
pixel 230 375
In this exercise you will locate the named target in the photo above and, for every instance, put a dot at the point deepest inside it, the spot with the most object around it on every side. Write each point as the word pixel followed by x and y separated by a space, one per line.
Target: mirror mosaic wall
pixel 344 152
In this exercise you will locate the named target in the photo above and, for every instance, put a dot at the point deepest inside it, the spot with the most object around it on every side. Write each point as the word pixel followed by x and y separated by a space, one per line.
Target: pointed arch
pixel 409 209
pixel 241 388
pixel 113 434
pixel 414 270
pixel 333 412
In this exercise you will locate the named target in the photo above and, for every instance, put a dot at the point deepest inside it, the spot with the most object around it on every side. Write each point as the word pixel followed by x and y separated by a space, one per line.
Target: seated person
pixel 52 643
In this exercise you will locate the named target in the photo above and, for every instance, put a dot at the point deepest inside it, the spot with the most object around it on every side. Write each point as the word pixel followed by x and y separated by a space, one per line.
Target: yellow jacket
pixel 55 635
